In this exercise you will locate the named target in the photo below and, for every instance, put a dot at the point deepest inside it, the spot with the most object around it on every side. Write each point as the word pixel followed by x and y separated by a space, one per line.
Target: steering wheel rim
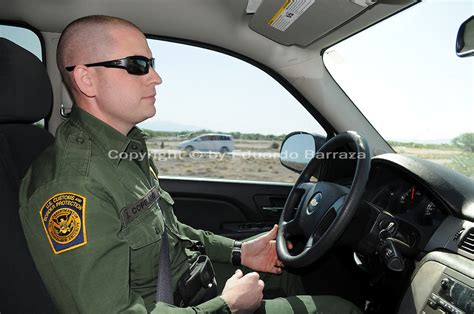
pixel 321 211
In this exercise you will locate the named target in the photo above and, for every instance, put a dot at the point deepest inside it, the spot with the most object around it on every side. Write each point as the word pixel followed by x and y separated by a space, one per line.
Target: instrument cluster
pixel 405 198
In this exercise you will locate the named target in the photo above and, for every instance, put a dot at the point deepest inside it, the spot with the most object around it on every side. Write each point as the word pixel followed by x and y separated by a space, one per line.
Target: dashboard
pixel 430 210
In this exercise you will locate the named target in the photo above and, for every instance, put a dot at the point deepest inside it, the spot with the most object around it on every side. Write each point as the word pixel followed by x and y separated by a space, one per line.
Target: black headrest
pixel 25 90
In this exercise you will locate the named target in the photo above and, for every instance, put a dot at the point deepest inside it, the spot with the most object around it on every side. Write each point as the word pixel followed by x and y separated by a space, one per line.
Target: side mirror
pixel 465 39
pixel 298 148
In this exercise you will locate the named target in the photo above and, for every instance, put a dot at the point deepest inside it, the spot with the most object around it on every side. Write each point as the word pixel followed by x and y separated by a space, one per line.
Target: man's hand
pixel 243 294
pixel 260 254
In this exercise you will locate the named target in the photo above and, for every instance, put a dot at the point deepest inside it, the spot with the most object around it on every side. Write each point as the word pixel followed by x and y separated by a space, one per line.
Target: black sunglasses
pixel 136 65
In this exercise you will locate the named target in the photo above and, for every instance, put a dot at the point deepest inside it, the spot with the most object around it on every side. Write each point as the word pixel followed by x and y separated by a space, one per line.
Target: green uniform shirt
pixel 94 227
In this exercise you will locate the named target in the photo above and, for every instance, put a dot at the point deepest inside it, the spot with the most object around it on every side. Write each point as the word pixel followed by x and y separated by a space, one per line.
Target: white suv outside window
pixel 223 143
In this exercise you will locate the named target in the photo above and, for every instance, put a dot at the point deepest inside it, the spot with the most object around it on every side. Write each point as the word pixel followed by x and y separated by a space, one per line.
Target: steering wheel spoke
pixel 339 204
pixel 325 223
pixel 295 201
pixel 291 228
pixel 307 186
pixel 304 190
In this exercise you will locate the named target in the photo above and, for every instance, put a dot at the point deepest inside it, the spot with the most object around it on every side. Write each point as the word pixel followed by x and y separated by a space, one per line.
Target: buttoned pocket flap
pixel 166 196
pixel 145 230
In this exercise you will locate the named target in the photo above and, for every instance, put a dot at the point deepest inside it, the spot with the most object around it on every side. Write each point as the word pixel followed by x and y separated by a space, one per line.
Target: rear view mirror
pixel 465 38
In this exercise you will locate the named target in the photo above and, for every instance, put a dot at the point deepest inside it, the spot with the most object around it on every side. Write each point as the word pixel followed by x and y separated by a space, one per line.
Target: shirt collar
pixel 106 136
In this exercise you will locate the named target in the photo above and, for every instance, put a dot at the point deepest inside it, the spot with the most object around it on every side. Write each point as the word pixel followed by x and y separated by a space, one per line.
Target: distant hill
pixel 416 141
pixel 167 126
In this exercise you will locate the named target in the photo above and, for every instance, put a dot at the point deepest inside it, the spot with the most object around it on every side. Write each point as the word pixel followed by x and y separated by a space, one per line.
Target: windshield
pixel 404 76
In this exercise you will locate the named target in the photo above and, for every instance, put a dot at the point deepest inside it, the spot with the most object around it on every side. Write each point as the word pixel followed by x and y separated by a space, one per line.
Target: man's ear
pixel 83 78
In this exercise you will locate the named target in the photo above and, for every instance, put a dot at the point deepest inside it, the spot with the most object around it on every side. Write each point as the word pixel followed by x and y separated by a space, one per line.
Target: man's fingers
pixel 253 275
pixel 238 274
pixel 289 245
pixel 272 233
pixel 275 270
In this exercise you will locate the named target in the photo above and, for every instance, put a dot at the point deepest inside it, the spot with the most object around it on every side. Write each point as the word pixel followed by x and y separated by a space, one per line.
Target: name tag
pixel 132 211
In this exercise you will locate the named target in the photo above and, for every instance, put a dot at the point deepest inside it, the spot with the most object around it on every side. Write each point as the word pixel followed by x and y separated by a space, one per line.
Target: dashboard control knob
pixel 444 283
pixel 388 228
pixel 393 260
pixel 391 227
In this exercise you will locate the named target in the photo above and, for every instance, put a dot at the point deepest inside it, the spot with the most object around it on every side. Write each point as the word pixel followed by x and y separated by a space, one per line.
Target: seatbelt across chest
pixel 164 291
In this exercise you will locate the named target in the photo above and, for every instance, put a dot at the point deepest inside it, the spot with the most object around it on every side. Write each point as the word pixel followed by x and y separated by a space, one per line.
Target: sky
pixel 402 73
pixel 429 96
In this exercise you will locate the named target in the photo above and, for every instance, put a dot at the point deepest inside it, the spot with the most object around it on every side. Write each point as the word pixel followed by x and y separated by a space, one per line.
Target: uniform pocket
pixel 145 230
pixel 144 238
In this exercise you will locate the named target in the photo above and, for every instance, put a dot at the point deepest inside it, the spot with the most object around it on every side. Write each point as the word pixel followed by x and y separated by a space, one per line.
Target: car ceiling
pixel 223 23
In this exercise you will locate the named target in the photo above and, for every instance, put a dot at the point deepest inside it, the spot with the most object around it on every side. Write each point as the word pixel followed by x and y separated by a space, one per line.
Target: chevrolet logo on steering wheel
pixel 313 204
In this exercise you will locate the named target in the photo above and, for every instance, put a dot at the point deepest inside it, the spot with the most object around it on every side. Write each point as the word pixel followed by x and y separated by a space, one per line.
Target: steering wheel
pixel 319 212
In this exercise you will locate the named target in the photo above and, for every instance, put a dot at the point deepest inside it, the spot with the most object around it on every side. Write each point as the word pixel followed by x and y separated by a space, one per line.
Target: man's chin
pixel 152 113
pixel 148 115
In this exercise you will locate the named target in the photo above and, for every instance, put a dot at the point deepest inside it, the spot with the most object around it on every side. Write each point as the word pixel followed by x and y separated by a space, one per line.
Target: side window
pixel 243 110
pixel 25 38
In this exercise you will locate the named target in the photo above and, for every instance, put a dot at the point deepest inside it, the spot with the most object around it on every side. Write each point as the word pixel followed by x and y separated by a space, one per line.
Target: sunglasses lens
pixel 138 67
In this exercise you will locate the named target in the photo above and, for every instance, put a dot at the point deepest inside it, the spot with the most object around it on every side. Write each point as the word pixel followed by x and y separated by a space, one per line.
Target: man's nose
pixel 154 77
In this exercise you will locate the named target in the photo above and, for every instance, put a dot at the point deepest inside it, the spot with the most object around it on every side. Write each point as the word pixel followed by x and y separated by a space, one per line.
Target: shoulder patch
pixel 63 218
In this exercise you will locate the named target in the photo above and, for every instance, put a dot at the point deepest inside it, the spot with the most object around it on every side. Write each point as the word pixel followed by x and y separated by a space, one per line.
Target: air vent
pixel 458 234
pixel 467 243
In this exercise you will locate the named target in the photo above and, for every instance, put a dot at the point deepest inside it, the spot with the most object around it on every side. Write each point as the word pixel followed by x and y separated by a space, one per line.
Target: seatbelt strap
pixel 164 292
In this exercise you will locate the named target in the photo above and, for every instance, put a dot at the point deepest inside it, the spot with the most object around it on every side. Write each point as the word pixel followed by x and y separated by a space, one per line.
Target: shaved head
pixel 87 40
pixel 111 94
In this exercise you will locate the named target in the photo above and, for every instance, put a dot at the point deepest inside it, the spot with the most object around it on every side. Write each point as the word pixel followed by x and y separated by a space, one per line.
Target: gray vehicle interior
pixel 438 251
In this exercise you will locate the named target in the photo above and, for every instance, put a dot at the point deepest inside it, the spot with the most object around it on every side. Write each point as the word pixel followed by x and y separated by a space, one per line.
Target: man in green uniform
pixel 92 209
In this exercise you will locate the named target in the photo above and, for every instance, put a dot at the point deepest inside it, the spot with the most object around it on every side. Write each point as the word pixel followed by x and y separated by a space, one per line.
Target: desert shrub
pixel 465 141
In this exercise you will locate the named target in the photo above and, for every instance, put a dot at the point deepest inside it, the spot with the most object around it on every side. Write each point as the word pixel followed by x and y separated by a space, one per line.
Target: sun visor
pixel 301 22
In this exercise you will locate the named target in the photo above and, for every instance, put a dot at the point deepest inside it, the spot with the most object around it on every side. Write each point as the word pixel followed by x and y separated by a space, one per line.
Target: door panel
pixel 233 209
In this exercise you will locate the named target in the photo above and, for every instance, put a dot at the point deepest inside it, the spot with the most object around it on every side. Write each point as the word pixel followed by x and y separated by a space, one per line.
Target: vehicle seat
pixel 25 98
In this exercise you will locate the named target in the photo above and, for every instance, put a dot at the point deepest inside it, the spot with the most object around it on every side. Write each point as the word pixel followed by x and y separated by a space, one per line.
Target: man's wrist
pixel 236 255
pixel 226 304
